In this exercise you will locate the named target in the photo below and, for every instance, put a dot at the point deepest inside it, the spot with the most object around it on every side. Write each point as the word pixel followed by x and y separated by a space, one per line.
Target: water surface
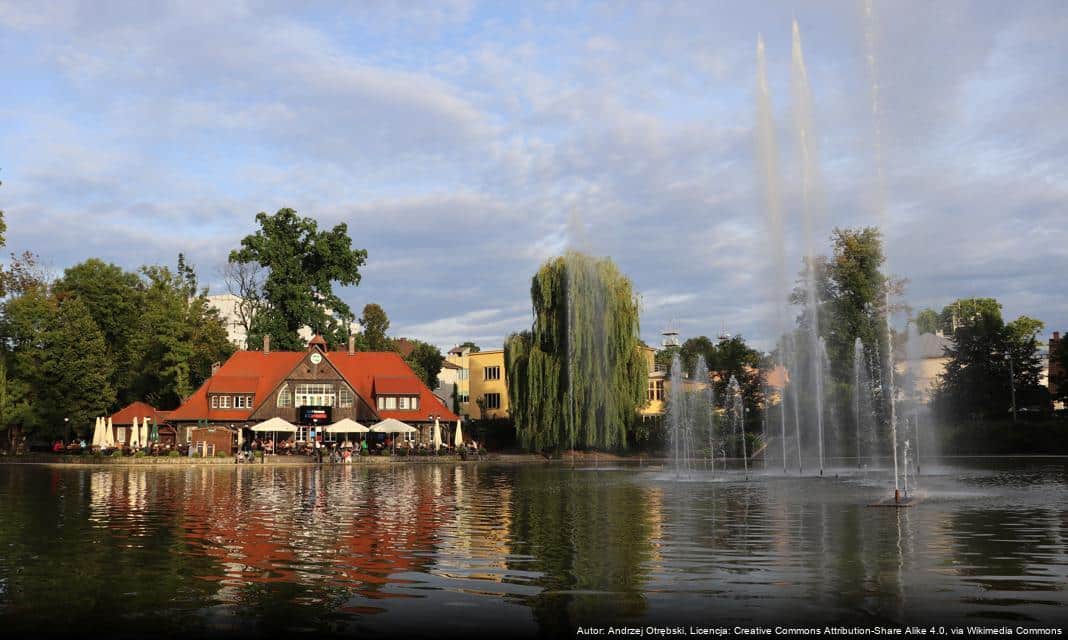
pixel 531 550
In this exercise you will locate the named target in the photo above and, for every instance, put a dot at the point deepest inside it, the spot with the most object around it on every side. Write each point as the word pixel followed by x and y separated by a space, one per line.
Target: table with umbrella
pixel 393 426
pixel 275 426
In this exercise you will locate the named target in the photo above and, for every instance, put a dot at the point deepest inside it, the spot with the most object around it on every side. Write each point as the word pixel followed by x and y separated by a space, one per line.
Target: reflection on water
pixel 536 550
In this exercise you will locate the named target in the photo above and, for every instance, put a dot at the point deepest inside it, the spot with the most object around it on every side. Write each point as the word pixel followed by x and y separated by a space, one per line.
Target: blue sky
pixel 464 143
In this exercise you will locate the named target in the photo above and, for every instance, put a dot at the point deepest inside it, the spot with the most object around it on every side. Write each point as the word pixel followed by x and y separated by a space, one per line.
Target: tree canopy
pixel 101 337
pixel 375 324
pixel 978 379
pixel 302 265
pixel 578 376
pixel 425 360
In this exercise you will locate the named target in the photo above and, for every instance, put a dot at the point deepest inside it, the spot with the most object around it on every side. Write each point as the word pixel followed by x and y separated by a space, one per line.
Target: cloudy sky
pixel 464 143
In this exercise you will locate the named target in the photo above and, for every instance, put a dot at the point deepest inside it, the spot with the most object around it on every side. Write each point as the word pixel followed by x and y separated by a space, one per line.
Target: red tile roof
pixel 268 369
pixel 362 370
pixel 395 385
pixel 139 410
pixel 233 384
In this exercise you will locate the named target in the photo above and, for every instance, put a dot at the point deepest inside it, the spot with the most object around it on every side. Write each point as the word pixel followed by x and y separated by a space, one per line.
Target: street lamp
pixel 1012 384
pixel 66 426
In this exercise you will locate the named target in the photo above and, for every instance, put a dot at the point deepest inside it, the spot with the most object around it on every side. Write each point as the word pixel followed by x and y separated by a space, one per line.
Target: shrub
pixel 173 454
pixel 196 454
pixel 139 454
pixel 117 453
pixel 221 454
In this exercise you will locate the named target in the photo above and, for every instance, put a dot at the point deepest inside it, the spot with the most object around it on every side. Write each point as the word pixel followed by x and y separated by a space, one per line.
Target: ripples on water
pixel 531 549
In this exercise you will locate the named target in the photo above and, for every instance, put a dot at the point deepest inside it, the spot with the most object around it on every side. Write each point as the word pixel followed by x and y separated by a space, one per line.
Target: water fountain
pixel 735 406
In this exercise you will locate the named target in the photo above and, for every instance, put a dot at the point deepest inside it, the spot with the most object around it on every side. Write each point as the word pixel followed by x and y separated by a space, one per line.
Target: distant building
pixel 487 384
pixel 925 362
pixel 227 306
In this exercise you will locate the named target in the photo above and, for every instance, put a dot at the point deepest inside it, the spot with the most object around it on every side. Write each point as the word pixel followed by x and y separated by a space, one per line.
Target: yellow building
pixel 481 387
pixel 654 392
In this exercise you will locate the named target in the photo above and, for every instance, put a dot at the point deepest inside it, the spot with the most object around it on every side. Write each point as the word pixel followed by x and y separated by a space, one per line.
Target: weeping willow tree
pixel 578 377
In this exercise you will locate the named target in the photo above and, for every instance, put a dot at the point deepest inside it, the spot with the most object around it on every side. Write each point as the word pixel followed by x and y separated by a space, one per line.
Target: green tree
pixel 375 324
pixel 966 311
pixel 179 337
pixel 928 321
pixel 426 361
pixel 114 299
pixel 976 381
pixel 302 265
pixel 474 348
pixel 693 348
pixel 732 357
pixel 71 374
pixel 578 377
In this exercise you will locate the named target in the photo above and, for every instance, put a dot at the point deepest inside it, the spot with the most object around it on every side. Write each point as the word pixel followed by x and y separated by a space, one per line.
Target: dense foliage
pixel 302 265
pixel 979 380
pixel 578 376
pixel 98 338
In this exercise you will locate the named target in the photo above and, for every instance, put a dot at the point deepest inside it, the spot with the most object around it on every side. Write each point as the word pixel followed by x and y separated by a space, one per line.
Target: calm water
pixel 535 550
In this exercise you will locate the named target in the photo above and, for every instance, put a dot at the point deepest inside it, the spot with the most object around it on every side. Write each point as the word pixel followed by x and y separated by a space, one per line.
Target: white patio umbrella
pixel 98 432
pixel 437 435
pixel 392 425
pixel 277 425
pixel 135 435
pixel 109 434
pixel 346 425
pixel 144 432
pixel 458 440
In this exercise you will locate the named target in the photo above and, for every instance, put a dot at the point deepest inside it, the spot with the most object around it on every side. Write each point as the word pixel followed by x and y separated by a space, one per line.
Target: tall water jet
pixel 791 360
pixel 702 407
pixel 913 356
pixel 858 375
pixel 806 143
pixel 768 152
pixel 736 411
pixel 677 419
pixel 880 209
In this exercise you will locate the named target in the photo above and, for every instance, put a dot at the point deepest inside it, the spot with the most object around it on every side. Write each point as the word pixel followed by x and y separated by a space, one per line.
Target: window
pixel 493 401
pixel 215 402
pixel 302 434
pixel 285 396
pixel 224 402
pixel 464 374
pixel 656 390
pixel 402 403
pixel 315 395
pixel 242 402
pixel 381 402
pixel 344 396
pixel 463 397
pixel 492 373
pixel 391 402
pixel 413 403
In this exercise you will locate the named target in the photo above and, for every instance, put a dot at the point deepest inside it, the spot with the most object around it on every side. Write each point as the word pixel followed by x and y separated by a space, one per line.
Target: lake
pixel 530 550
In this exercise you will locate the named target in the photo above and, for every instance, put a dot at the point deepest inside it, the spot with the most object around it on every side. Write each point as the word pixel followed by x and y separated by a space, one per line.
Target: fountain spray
pixel 803 124
pixel 769 157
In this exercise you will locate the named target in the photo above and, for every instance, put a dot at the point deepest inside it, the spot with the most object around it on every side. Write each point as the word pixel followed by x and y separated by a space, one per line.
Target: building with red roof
pixel 310 389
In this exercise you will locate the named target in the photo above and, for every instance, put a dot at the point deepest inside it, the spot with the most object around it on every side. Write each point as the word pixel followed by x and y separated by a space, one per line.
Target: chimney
pixel 266 344
pixel 215 367
pixel 1056 335
pixel 352 344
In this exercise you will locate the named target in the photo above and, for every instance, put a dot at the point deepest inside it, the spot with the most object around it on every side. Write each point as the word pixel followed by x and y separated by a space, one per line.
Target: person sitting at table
pixel 268 448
